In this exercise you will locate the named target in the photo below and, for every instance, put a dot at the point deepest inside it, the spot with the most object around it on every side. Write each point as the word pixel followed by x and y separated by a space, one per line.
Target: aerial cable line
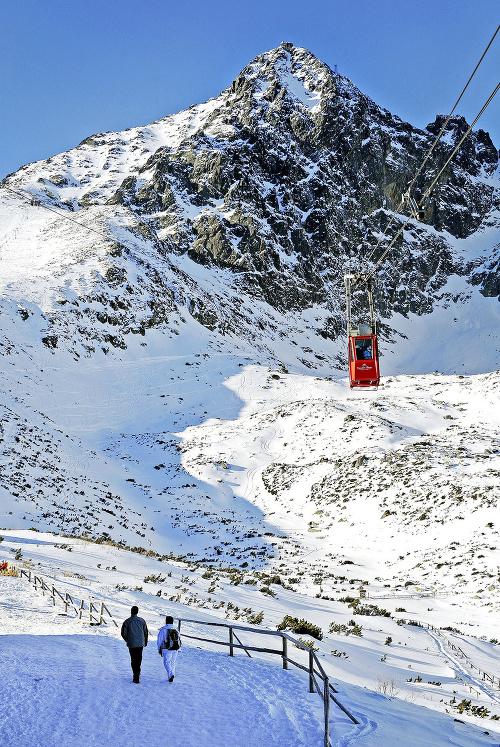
pixel 443 128
pixel 428 191
pixel 53 210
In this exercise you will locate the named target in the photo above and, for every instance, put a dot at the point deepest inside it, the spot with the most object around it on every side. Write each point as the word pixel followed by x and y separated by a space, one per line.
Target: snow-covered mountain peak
pixel 264 193
pixel 289 70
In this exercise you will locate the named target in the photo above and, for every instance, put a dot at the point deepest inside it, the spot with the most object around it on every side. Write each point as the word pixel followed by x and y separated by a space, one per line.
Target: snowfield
pixel 238 479
pixel 177 430
pixel 67 681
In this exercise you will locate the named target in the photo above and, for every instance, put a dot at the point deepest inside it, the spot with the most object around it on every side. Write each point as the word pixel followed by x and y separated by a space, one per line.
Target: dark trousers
pixel 135 661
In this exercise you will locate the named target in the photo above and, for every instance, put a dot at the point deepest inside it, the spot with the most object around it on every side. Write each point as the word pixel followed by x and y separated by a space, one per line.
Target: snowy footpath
pixel 74 687
pixel 66 684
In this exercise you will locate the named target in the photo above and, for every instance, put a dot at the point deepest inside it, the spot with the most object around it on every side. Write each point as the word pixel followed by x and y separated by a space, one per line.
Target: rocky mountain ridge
pixel 162 262
pixel 274 187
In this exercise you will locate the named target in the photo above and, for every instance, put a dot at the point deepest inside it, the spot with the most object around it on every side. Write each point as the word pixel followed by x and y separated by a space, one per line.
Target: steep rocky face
pixel 295 171
pixel 285 179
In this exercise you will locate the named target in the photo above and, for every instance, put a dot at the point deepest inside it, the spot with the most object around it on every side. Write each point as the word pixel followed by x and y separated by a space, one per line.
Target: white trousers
pixel 169 659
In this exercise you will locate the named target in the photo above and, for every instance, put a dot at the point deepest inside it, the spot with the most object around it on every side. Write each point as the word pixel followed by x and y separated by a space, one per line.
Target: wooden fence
pixel 92 613
pixel 318 679
pixel 484 675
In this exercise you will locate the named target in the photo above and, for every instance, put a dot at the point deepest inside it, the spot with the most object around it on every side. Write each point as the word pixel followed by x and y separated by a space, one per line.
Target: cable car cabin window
pixel 364 349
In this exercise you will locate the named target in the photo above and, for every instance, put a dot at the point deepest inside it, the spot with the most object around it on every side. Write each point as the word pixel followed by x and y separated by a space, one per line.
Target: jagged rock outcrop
pixel 286 178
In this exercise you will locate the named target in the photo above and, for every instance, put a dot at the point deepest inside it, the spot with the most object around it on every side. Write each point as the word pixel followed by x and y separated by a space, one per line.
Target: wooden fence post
pixel 285 652
pixel 231 642
pixel 53 596
pixel 311 672
pixel 326 701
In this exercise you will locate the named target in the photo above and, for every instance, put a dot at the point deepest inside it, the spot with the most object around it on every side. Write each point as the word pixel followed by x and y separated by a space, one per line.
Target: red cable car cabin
pixel 363 361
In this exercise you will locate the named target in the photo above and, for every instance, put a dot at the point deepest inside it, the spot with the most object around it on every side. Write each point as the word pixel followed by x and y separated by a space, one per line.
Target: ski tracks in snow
pixel 462 672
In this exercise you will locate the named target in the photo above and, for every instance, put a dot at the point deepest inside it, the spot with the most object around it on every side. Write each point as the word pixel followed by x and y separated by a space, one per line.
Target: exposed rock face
pixel 284 180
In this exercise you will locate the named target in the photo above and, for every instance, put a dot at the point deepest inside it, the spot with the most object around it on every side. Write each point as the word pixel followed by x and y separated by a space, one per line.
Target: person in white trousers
pixel 164 643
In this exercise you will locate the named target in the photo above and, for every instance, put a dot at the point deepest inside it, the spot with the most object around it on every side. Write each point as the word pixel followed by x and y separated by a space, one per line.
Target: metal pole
pixel 231 642
pixel 372 310
pixel 347 281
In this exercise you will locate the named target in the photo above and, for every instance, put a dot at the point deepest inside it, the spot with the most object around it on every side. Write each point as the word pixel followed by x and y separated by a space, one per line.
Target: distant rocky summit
pixel 274 187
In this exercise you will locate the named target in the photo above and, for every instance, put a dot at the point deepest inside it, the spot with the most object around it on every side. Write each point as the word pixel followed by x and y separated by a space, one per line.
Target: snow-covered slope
pixel 245 211
pixel 172 373
pixel 65 679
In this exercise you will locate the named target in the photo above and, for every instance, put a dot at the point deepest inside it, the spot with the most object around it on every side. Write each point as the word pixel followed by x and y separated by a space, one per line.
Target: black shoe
pixel 171 679
pixel 136 680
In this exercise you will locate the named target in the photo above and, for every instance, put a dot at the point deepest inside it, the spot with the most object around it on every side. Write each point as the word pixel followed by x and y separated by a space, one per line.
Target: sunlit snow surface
pixel 215 454
pixel 65 679
pixel 241 449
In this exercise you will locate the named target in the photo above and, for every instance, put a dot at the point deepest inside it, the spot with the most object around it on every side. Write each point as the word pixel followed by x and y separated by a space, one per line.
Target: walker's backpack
pixel 173 641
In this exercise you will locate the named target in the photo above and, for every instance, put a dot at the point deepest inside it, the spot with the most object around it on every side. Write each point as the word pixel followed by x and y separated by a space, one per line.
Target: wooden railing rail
pixel 318 679
pixel 93 611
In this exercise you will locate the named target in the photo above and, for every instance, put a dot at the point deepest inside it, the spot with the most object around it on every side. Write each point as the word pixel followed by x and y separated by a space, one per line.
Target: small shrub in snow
pixel 309 644
pixel 351 629
pixel 255 618
pixel 387 687
pixel 466 707
pixel 268 591
pixel 300 626
pixel 368 609
pixel 340 654
pixel 159 579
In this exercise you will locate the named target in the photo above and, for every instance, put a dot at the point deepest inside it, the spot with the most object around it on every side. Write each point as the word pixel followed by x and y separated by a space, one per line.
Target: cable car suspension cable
pixel 429 189
pixel 429 152
pixel 384 254
pixel 53 210
pixel 438 137
pixel 427 192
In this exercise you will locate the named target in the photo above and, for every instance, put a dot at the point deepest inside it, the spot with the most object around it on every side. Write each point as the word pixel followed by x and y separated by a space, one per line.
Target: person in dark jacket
pixel 135 634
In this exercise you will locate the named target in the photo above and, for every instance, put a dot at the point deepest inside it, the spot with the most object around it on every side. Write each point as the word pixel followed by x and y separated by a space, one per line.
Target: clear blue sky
pixel 71 69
